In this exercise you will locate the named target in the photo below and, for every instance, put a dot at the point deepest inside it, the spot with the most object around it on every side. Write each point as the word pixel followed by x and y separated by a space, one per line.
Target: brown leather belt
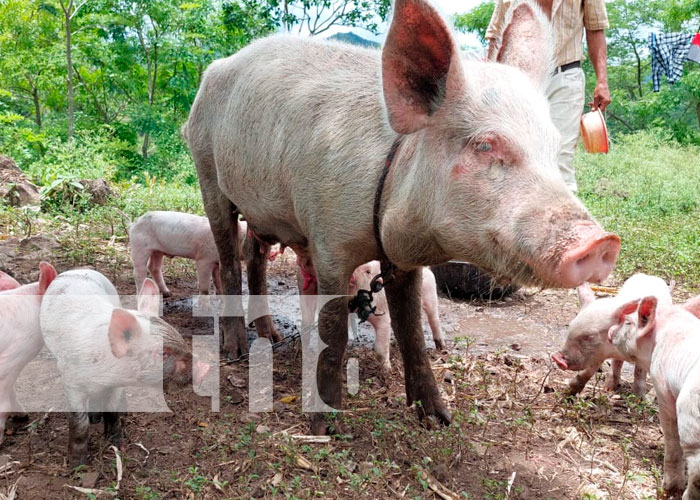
pixel 568 66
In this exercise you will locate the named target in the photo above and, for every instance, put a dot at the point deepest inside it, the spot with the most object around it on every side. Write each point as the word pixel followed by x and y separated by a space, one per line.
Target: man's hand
pixel 601 96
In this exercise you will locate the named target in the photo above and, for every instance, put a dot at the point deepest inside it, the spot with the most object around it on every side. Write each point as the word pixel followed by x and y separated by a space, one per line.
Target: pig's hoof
pixel 319 426
pixel 20 417
pixel 433 410
pixel 95 418
pixel 439 345
pixel 167 294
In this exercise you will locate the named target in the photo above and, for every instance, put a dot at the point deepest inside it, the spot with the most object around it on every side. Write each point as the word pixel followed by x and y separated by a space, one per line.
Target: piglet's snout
pixel 592 260
pixel 560 361
pixel 200 371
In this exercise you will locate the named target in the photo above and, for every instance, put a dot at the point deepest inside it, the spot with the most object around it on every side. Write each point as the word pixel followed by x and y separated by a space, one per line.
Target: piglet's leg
pixel 613 379
pixel 579 381
pixel 257 285
pixel 155 265
pixel 78 427
pixel 115 407
pixel 639 386
pixel 403 296
pixel 674 468
pixel 689 433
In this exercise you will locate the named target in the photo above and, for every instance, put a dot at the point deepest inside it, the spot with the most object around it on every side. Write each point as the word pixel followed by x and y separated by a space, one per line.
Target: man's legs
pixel 566 94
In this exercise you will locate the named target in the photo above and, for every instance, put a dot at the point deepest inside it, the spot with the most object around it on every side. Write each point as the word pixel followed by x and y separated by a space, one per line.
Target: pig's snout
pixel 199 372
pixel 560 361
pixel 591 260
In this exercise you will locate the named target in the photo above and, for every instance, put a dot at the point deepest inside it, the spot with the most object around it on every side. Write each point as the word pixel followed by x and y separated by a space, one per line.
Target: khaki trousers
pixel 566 94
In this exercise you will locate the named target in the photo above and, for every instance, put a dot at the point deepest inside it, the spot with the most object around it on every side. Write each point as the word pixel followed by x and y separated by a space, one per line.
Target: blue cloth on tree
pixel 668 52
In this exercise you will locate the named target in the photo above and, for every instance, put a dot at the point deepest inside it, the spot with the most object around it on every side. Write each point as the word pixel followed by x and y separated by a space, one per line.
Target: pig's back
pixel 293 119
pixel 643 285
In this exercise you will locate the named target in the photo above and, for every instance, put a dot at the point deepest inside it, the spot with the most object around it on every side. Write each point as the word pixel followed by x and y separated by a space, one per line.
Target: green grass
pixel 647 190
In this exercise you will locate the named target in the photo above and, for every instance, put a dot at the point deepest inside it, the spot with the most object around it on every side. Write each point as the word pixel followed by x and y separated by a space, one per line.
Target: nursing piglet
pixel 381 321
pixel 20 334
pixel 586 345
pixel 665 340
pixel 101 347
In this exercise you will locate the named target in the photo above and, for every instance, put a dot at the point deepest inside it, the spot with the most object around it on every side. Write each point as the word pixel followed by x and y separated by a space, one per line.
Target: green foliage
pixel 645 190
pixel 476 20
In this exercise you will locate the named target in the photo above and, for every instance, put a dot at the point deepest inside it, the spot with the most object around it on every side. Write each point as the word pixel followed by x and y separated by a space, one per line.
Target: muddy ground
pixel 513 437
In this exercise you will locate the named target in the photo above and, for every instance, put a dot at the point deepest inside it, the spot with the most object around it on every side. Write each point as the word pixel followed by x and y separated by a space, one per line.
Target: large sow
pixel 296 134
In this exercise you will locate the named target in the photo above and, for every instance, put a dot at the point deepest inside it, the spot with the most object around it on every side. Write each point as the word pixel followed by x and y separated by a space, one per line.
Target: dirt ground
pixel 512 437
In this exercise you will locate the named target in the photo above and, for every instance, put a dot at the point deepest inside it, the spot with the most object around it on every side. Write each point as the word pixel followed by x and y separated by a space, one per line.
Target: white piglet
pixel 159 234
pixel 20 334
pixel 381 321
pixel 665 340
pixel 586 344
pixel 101 347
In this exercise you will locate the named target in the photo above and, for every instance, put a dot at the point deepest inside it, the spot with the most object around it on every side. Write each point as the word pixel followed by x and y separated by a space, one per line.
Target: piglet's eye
pixel 484 147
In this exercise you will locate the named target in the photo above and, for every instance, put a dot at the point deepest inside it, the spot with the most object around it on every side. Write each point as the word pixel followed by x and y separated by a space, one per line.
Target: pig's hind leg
pixel 155 266
pixel 403 296
pixel 613 378
pixel 223 219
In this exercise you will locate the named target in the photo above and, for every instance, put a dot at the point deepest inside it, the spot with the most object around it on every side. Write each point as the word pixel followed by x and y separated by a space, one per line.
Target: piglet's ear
pixel 625 310
pixel 7 282
pixel 420 65
pixel 527 42
pixel 149 300
pixel 693 306
pixel 585 295
pixel 646 315
pixel 47 274
pixel 124 329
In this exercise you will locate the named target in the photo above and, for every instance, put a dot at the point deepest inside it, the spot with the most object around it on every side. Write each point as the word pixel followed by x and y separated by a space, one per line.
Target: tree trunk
pixel 68 12
pixel 37 106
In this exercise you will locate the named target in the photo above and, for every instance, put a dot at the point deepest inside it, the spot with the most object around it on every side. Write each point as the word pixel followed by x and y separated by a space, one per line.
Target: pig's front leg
pixel 639 386
pixel 403 296
pixel 116 406
pixel 333 330
pixel 674 468
pixel 78 427
pixel 431 311
pixel 155 266
pixel 613 378
pixel 687 407
pixel 579 381
pixel 257 285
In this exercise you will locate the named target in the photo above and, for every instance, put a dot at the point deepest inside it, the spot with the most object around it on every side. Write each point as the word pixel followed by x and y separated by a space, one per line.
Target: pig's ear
pixel 527 42
pixel 124 328
pixel 149 300
pixel 693 306
pixel 646 315
pixel 625 310
pixel 47 274
pixel 585 295
pixel 420 65
pixel 7 282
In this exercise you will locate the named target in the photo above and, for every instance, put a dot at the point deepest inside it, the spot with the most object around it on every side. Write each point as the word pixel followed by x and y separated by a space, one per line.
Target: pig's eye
pixel 484 147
